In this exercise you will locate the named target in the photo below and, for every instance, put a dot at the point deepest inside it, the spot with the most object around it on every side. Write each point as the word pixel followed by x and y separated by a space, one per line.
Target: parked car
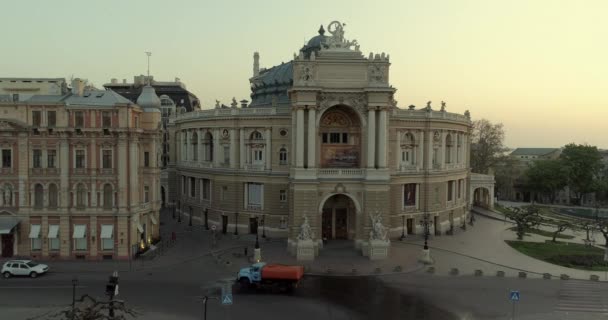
pixel 23 268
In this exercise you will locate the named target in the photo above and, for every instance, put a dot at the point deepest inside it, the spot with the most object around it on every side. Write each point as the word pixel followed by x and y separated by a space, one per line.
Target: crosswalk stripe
pixel 581 296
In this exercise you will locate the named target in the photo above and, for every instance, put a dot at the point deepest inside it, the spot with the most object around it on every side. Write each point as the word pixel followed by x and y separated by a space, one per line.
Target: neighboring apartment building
pixel 21 89
pixel 324 139
pixel 79 176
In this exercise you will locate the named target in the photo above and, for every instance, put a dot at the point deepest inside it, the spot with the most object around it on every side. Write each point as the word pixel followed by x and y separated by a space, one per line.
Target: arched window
pixel 107 196
pixel 81 196
pixel 256 135
pixel 38 196
pixel 283 156
pixel 449 147
pixel 408 150
pixel 53 196
pixel 194 146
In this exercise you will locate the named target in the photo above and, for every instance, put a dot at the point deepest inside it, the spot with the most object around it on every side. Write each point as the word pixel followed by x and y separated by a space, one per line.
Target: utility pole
pixel 74 284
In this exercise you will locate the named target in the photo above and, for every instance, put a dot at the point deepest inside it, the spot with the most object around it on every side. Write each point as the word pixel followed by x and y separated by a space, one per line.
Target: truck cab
pixel 251 274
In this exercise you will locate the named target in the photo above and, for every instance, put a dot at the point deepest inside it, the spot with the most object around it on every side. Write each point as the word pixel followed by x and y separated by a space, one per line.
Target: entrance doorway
pixel 7 245
pixel 224 224
pixel 253 225
pixel 338 218
pixel 410 226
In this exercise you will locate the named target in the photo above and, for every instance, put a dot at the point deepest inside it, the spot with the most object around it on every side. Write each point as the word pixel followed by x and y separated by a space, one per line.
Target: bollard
pixel 430 270
pixel 454 271
pixel 377 270
pixel 500 274
pixel 522 275
pixel 564 277
pixel 478 273
pixel 547 276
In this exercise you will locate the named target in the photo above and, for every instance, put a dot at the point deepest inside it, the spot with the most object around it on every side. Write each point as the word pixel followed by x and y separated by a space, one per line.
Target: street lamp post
pixel 190 220
pixel 264 226
pixel 74 283
pixel 402 228
pixel 179 213
pixel 426 231
pixel 206 219
pixel 173 210
pixel 236 223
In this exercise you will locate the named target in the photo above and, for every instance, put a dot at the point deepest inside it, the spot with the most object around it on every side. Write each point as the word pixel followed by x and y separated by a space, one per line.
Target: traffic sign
pixel 227 299
pixel 213 227
pixel 514 296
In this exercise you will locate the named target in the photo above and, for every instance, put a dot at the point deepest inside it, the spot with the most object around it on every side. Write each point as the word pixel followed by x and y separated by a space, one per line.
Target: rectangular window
pixel 6 158
pixel 107 244
pixel 205 189
pixel 54 244
pixel 224 192
pixel 80 243
pixel 15 97
pixel 226 154
pixel 460 186
pixel 78 119
pixel 36 244
pixel 146 194
pixel 37 158
pixel 36 119
pixel 34 236
pixel 51 118
pixel 409 195
pixel 136 122
pixel 50 158
pixel 344 137
pixel 334 137
pixel 146 159
pixel 325 138
pixel 257 155
pixel 283 195
pixel 106 119
pixel 106 159
pixel 79 159
pixel 254 195
pixel 450 190
pixel 192 187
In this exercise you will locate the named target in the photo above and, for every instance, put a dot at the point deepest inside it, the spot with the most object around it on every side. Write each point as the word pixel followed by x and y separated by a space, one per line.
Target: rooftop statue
pixel 442 105
pixel 337 41
pixel 428 106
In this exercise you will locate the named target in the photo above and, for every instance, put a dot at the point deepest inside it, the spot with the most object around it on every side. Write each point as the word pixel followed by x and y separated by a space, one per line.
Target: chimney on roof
pixel 114 81
pixel 244 103
pixel 256 64
pixel 77 86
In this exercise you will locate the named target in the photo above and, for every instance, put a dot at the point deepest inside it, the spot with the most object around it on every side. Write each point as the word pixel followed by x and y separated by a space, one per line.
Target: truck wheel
pixel 245 284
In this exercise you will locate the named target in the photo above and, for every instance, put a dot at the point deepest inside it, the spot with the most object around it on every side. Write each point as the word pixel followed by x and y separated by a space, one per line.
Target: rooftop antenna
pixel 148 53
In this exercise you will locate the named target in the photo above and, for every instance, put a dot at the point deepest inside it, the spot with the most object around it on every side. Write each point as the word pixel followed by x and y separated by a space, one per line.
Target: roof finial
pixel 321 30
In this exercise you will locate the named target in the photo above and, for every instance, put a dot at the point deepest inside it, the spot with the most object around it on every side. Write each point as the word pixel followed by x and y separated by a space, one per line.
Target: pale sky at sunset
pixel 538 66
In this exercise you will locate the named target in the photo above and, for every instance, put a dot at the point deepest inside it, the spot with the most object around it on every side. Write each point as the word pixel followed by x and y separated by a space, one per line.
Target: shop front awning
pixel 153 219
pixel 53 231
pixel 79 231
pixel 106 231
pixel 7 224
pixel 140 228
pixel 34 231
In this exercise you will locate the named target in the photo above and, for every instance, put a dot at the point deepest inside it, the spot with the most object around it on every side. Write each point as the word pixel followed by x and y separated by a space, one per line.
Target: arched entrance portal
pixel 338 218
pixel 482 198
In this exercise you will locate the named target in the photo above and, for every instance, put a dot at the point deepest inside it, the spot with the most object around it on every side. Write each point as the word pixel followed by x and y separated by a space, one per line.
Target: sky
pixel 539 67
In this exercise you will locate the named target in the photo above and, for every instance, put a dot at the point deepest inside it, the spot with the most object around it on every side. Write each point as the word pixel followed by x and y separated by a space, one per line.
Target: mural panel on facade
pixel 340 156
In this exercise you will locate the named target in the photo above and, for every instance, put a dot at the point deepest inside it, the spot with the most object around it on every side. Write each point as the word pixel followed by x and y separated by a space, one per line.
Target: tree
pixel 546 177
pixel 505 173
pixel 524 218
pixel 583 165
pixel 487 145
pixel 561 227
pixel 587 226
pixel 602 226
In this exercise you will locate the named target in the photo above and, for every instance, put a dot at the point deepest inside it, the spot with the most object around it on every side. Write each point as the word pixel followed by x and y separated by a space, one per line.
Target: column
pixel 201 148
pixel 242 153
pixel 216 147
pixel 133 186
pixel 64 165
pixel 268 148
pixel 371 138
pixel 429 145
pixel 122 170
pixel 93 160
pixel 233 148
pixel 442 150
pixel 398 150
pixel 300 137
pixel 420 150
pixel 292 146
pixel 312 141
pixel 382 139
pixel 186 145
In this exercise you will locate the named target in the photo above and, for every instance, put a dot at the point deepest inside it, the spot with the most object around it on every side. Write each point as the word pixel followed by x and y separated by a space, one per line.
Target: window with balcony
pixel 38 196
pixel 51 118
pixel 108 196
pixel 80 159
pixel 206 189
pixel 409 195
pixel 254 193
pixel 184 185
pixel 106 119
pixel 106 159
pixel 408 150
pixel 192 187
pixel 53 196
pixel 7 161
pixel 460 186
pixel 51 155
pixel 283 156
pixel 36 118
pixel 78 119
pixel 37 158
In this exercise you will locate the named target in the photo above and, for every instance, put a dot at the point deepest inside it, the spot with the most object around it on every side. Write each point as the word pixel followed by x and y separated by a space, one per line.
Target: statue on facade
pixel 378 231
pixel 234 104
pixel 428 106
pixel 217 104
pixel 443 106
pixel 7 195
pixel 305 230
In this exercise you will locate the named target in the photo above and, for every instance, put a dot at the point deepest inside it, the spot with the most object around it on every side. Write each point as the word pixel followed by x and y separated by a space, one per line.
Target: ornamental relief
pixel 378 73
pixel 356 100
pixel 335 119
pixel 304 73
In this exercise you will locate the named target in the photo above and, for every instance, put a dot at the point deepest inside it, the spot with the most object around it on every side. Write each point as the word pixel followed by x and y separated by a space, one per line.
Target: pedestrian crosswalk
pixel 583 296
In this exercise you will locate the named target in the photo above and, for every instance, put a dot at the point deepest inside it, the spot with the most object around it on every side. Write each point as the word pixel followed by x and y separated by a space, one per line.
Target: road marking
pixel 42 287
pixel 582 296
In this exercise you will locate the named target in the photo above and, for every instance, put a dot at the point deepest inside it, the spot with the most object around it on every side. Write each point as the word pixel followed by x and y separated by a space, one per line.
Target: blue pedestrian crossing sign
pixel 514 296
pixel 227 299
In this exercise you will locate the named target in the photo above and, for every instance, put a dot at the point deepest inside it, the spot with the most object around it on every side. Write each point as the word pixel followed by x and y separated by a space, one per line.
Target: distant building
pixel 530 154
pixel 21 89
pixel 79 176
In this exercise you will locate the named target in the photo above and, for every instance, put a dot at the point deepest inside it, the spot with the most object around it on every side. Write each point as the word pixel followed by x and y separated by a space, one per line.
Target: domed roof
pixel 315 43
pixel 148 99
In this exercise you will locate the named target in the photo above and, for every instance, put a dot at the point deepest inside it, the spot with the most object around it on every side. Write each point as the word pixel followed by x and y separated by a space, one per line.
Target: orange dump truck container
pixel 282 272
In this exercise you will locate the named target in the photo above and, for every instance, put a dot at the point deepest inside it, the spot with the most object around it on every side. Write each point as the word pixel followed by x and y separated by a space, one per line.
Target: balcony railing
pixel 254 207
pixel 254 166
pixel 105 171
pixel 6 171
pixel 81 171
pixel 408 168
pixel 340 172
pixel 44 171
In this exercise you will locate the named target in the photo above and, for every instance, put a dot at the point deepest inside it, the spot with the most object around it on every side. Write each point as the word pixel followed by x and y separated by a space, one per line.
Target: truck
pixel 270 276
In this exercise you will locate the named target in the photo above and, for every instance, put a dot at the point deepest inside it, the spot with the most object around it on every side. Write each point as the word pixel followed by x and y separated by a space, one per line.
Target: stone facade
pixel 339 152
pixel 80 175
